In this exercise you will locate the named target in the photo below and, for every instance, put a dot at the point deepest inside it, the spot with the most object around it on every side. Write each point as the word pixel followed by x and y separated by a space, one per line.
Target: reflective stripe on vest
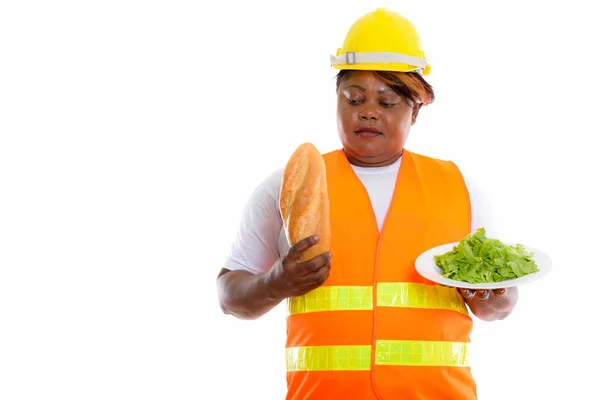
pixel 395 294
pixel 387 352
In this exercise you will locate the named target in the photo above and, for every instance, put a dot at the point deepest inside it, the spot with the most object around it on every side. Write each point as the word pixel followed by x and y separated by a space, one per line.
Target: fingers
pixel 313 264
pixel 295 252
pixel 303 276
pixel 469 294
pixel 481 294
pixel 316 269
pixel 318 277
pixel 292 261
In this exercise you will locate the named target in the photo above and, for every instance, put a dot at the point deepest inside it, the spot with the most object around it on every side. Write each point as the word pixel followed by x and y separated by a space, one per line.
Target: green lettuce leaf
pixel 479 259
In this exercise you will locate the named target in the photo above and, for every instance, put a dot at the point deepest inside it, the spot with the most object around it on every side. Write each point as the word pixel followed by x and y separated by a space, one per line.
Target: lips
pixel 367 132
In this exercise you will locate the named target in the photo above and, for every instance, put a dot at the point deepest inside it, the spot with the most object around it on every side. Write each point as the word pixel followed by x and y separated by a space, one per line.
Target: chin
pixel 364 149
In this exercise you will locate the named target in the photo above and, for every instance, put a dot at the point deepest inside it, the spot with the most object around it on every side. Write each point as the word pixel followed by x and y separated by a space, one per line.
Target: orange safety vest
pixel 376 329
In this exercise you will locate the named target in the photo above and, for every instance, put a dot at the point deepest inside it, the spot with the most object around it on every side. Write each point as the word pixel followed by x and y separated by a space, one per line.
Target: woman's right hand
pixel 290 276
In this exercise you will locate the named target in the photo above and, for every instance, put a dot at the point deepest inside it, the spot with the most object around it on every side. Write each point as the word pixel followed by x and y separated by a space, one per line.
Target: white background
pixel 132 133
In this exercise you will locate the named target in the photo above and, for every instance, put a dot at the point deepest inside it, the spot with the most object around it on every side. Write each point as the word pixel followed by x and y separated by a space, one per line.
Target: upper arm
pixel 255 246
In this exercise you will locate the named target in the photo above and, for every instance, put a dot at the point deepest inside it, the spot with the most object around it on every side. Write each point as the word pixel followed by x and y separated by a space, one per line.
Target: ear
pixel 415 113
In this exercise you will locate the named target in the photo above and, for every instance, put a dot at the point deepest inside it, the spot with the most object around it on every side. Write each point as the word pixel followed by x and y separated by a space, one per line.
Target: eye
pixel 353 101
pixel 387 105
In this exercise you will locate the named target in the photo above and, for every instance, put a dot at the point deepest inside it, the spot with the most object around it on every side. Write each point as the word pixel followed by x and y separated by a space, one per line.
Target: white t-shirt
pixel 261 240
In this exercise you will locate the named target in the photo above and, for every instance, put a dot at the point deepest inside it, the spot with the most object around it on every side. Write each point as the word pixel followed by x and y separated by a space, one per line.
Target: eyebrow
pixel 362 89
pixel 356 86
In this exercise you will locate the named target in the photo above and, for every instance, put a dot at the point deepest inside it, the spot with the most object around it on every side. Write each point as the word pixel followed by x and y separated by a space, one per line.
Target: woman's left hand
pixel 491 305
pixel 481 294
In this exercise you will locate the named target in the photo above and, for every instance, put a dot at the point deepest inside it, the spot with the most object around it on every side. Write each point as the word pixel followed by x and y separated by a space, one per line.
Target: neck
pixel 374 164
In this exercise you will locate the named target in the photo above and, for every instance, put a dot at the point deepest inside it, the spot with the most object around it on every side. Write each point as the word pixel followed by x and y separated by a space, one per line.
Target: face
pixel 373 121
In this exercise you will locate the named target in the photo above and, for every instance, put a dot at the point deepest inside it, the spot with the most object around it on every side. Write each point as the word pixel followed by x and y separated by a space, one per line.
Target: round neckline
pixel 378 170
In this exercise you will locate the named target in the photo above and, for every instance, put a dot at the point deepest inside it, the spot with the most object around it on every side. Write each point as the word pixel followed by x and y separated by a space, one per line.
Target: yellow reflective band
pixel 417 295
pixel 328 358
pixel 393 294
pixel 387 352
pixel 422 353
pixel 333 298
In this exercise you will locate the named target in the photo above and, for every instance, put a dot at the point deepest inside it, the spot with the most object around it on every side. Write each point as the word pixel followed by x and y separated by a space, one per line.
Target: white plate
pixel 426 267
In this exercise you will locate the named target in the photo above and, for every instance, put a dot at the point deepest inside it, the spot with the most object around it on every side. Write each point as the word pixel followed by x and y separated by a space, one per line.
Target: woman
pixel 363 324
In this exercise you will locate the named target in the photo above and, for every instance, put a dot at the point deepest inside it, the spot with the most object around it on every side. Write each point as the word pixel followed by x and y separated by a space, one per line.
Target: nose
pixel 368 112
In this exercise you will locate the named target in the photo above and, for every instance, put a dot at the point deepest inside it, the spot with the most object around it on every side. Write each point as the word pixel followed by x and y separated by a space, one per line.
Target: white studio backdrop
pixel 132 133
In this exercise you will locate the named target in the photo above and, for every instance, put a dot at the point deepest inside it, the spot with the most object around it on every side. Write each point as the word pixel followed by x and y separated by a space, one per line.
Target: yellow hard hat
pixel 382 40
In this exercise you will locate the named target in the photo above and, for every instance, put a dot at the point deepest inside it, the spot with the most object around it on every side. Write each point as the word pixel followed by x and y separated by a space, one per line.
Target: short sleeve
pixel 255 246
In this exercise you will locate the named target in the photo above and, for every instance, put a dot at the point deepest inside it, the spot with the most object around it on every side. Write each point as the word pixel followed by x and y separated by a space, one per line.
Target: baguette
pixel 303 200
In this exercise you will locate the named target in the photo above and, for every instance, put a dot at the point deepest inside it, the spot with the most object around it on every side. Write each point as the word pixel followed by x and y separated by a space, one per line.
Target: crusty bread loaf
pixel 303 199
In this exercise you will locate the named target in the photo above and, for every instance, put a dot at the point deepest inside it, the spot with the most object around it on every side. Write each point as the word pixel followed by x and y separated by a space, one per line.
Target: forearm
pixel 496 307
pixel 244 295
